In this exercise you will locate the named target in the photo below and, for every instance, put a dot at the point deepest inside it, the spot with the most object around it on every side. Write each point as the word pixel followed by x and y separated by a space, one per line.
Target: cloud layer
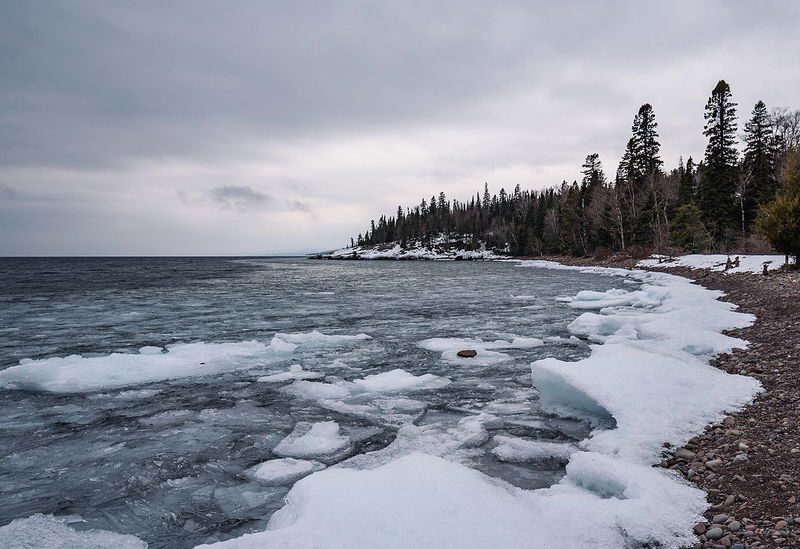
pixel 265 127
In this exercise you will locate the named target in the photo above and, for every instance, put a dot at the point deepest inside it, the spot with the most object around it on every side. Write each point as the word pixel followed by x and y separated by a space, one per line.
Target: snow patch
pixel 716 262
pixel 321 439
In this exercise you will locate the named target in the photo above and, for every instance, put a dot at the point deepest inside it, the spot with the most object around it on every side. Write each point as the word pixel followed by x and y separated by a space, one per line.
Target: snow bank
pixel 48 532
pixel 424 501
pixel 321 439
pixel 75 373
pixel 716 262
pixel 284 470
pixel 649 382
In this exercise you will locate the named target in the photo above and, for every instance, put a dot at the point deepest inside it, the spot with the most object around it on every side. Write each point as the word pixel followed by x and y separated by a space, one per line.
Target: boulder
pixel 467 353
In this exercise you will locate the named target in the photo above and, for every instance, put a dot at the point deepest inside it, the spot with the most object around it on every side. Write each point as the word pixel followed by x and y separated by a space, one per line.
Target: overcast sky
pixel 204 128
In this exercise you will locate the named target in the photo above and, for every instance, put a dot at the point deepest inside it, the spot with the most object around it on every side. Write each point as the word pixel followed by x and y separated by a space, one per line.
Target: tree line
pixel 725 202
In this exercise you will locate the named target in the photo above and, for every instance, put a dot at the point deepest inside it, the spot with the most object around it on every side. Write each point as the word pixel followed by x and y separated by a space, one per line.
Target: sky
pixel 261 127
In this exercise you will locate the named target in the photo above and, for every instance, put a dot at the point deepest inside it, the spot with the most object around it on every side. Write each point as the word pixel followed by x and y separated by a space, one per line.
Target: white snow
pixel 649 379
pixel 75 373
pixel 420 500
pixel 321 439
pixel 439 249
pixel 716 262
pixel 283 470
pixel 49 532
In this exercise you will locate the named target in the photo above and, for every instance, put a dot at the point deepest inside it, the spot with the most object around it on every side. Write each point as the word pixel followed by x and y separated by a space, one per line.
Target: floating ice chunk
pixel 525 343
pixel 314 390
pixel 284 470
pixel 149 350
pixel 242 501
pixel 519 449
pixel 318 339
pixel 75 374
pixel 321 439
pixel 295 372
pixel 399 380
pixel 48 532
pixel 472 430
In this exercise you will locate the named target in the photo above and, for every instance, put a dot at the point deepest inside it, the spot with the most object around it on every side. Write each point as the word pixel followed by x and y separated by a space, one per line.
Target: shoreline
pixel 749 464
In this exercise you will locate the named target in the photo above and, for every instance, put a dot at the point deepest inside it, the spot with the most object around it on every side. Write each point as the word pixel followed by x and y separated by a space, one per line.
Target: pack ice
pixel 647 373
pixel 76 373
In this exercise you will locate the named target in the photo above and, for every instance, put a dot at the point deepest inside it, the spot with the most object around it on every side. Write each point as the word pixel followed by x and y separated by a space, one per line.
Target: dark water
pixel 167 460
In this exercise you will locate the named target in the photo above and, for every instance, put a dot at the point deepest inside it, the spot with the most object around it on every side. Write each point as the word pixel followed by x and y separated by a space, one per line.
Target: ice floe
pixel 486 351
pixel 321 439
pixel 295 372
pixel 76 373
pixel 649 382
pixel 47 531
pixel 283 470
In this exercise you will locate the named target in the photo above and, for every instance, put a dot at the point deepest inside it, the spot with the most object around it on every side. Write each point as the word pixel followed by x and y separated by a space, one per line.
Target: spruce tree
pixel 716 196
pixel 645 157
pixel 687 186
pixel 759 183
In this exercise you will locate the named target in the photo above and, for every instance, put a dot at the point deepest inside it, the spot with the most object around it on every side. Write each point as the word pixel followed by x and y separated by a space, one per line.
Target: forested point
pixel 726 202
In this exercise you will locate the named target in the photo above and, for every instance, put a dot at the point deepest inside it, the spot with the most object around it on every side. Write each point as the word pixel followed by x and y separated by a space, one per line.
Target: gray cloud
pixel 239 197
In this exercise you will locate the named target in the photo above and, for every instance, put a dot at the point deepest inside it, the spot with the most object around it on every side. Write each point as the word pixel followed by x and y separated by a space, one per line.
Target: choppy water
pixel 166 461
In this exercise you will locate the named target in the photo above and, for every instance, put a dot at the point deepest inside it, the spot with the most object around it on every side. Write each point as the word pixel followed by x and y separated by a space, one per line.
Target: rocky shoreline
pixel 750 463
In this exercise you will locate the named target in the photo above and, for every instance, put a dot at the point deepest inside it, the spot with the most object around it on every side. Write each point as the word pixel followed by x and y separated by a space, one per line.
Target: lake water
pixel 167 458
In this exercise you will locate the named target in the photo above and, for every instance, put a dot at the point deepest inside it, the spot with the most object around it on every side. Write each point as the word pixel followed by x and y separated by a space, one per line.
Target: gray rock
pixel 735 526
pixel 714 533
pixel 720 519
pixel 684 454
pixel 737 546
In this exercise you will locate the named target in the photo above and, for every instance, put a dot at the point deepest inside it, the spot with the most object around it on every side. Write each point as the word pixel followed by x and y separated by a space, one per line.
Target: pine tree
pixel 716 195
pixel 758 181
pixel 645 159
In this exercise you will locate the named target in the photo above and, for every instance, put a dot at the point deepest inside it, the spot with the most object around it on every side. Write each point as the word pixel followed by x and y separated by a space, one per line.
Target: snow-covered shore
pixel 648 370
pixel 743 263
pixel 439 249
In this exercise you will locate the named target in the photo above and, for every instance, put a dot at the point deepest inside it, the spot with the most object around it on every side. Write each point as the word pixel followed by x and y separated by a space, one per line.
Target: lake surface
pixel 169 460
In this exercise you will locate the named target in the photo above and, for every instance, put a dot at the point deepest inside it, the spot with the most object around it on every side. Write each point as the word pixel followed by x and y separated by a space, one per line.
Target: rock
pixel 467 353
pixel 720 519
pixel 714 533
pixel 684 454
pixel 735 526
pixel 780 525
pixel 714 463
pixel 699 528
pixel 737 546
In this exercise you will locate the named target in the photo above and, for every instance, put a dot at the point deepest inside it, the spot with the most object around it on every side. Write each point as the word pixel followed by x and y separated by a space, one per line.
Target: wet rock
pixel 467 353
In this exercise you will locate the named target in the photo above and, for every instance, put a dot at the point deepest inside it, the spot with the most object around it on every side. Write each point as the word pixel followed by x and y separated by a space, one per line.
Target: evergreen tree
pixel 687 186
pixel 716 195
pixel 779 221
pixel 758 181
pixel 645 147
